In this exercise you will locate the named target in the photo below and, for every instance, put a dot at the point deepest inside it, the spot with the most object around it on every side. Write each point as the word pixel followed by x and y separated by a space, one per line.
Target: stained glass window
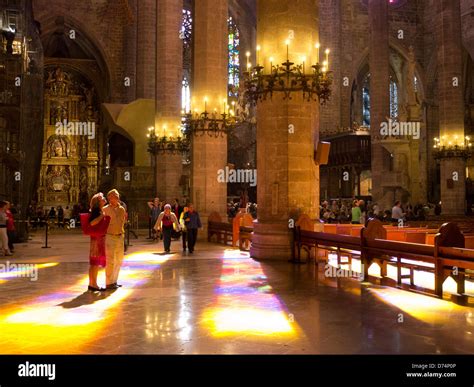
pixel 366 102
pixel 234 59
pixel 393 99
pixel 186 35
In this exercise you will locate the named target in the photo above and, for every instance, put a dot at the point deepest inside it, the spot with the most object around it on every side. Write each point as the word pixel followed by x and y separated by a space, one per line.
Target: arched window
pixel 234 59
pixel 186 35
pixel 393 99
pixel 366 101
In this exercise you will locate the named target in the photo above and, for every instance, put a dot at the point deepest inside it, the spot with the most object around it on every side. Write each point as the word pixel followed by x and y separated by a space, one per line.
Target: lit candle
pixel 327 57
pixel 205 104
pixel 271 64
pixel 249 66
pixel 248 58
pixel 225 104
pixel 303 59
pixel 287 50
pixel 258 55
pixel 317 52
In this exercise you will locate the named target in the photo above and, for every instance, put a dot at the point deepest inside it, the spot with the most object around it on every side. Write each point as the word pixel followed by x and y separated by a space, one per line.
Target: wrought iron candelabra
pixel 164 144
pixel 288 78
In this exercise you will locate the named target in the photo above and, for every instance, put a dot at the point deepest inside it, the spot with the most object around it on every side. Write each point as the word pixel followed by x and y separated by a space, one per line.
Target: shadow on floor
pixel 87 298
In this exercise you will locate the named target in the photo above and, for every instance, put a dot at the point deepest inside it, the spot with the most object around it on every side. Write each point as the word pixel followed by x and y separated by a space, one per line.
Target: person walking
pixel 10 227
pixel 114 241
pixel 155 211
pixel 183 228
pixel 3 229
pixel 60 217
pixel 165 223
pixel 193 223
pixel 67 216
pixel 97 255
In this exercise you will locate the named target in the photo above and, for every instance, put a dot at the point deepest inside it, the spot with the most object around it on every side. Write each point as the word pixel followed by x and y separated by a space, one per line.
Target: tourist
pixel 114 241
pixel 363 212
pixel 52 214
pixel 60 217
pixel 193 223
pixel 183 227
pixel 177 209
pixel 397 212
pixel 155 211
pixel 3 229
pixel 376 210
pixel 356 212
pixel 97 256
pixel 67 216
pixel 165 223
pixel 10 227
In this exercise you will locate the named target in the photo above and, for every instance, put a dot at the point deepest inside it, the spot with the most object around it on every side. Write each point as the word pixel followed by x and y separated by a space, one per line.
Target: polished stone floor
pixel 217 301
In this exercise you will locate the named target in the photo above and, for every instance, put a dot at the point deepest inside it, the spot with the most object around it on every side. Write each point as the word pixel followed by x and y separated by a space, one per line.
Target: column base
pixel 271 241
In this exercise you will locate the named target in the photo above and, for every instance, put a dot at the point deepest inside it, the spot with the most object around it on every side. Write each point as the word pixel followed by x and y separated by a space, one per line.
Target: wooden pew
pixel 221 230
pixel 242 229
pixel 446 257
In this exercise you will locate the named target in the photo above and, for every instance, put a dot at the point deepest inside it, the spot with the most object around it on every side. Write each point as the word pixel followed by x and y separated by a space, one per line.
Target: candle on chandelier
pixel 258 55
pixel 317 52
pixel 327 57
pixel 303 59
pixel 248 58
pixel 205 104
pixel 225 105
pixel 271 64
pixel 287 50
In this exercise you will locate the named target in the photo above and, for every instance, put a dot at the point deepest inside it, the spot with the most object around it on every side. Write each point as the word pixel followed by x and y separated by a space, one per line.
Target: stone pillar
pixel 379 91
pixel 169 74
pixel 209 154
pixel 146 49
pixel 288 179
pixel 130 52
pixel 451 104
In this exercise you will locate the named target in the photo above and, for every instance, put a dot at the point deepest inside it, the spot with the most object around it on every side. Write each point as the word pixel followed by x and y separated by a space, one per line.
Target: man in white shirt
pixel 397 212
pixel 114 241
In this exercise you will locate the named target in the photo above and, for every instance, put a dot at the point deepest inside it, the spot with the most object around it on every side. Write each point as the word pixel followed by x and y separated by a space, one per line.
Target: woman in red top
pixel 98 221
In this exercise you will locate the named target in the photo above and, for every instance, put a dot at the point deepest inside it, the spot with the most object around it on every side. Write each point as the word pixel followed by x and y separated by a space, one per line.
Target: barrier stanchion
pixel 46 237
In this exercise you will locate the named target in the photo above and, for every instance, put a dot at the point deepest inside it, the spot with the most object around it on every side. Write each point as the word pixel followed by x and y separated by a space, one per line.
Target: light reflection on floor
pixel 21 270
pixel 425 308
pixel 421 279
pixel 70 318
pixel 245 302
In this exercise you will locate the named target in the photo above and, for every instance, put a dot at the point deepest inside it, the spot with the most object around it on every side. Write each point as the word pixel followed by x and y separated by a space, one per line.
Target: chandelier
pixel 452 147
pixel 288 78
pixel 213 124
pixel 166 144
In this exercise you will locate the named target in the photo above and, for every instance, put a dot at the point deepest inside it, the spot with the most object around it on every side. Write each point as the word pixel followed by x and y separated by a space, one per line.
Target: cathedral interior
pixel 309 135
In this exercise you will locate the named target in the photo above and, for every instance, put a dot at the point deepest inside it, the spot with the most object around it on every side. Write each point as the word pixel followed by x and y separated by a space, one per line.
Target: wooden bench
pixel 447 257
pixel 242 230
pixel 221 230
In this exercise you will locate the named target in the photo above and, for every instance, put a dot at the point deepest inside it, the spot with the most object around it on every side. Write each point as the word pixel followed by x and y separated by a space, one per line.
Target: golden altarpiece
pixel 70 161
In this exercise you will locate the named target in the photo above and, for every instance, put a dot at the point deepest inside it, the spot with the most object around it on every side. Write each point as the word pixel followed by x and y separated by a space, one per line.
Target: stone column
pixel 209 154
pixel 288 179
pixel 146 49
pixel 169 75
pixel 451 104
pixel 130 52
pixel 379 91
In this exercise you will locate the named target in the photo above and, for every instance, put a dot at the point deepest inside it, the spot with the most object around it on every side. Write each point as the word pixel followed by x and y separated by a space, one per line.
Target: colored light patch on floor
pixel 245 303
pixel 12 270
pixel 421 279
pixel 69 319
pixel 424 308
